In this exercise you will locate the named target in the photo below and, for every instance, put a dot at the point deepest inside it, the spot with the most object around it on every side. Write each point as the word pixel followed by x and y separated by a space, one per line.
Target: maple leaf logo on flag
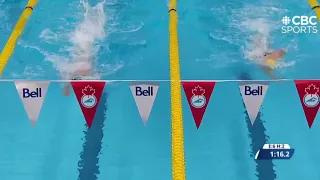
pixel 311 89
pixel 88 90
pixel 198 91
pixel 311 98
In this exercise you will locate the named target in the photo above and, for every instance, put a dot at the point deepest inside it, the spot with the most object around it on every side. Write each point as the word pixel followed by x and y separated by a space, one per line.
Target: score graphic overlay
pixel 274 151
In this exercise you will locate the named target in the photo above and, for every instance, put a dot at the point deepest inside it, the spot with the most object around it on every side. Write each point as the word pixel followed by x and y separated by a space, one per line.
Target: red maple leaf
pixel 198 91
pixel 88 90
pixel 311 89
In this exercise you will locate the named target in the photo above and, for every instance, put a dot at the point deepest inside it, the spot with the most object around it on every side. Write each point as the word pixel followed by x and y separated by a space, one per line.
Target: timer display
pixel 275 151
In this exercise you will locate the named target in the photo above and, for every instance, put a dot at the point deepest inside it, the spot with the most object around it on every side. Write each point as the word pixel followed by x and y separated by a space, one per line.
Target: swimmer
pixel 271 60
pixel 78 74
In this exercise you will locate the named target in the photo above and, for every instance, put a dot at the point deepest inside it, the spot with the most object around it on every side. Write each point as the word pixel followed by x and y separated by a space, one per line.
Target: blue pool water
pixel 130 41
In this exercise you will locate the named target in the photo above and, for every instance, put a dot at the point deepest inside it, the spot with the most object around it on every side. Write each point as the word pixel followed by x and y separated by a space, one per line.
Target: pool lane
pixel 124 153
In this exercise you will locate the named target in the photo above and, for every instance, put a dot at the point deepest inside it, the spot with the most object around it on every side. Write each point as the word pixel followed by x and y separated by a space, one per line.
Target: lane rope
pixel 177 136
pixel 8 49
pixel 315 7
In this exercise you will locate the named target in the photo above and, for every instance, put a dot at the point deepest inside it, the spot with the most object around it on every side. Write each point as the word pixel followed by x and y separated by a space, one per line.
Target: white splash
pixel 259 43
pixel 255 48
pixel 84 41
pixel 263 21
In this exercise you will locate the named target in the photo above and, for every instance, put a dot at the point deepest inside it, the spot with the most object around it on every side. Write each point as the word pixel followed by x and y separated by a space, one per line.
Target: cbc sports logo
pixel 299 25
pixel 311 99
pixel 198 100
pixel 88 99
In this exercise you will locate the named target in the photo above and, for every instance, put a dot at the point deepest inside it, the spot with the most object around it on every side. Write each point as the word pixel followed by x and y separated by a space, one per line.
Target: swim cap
pixel 271 63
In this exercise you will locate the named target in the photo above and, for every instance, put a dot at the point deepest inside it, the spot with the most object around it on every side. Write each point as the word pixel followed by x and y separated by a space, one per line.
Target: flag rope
pixel 156 80
pixel 17 31
pixel 177 135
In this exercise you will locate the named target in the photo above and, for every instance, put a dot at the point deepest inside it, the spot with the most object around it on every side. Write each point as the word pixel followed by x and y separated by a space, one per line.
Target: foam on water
pixel 84 43
pixel 259 31
pixel 84 47
pixel 49 36
pixel 251 28
pixel 258 43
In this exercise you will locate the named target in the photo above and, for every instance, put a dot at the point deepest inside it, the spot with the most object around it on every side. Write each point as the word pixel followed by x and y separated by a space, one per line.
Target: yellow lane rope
pixel 17 31
pixel 315 6
pixel 178 162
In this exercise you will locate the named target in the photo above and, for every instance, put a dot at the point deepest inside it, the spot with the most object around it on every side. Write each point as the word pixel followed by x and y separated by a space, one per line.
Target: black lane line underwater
pixel 265 168
pixel 88 165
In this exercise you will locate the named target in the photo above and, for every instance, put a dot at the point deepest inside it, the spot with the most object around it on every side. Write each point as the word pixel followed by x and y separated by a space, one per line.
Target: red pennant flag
pixel 308 91
pixel 198 95
pixel 88 94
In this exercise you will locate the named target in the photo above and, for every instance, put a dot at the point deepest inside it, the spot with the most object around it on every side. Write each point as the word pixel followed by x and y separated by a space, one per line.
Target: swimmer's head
pixel 266 54
pixel 275 54
pixel 280 52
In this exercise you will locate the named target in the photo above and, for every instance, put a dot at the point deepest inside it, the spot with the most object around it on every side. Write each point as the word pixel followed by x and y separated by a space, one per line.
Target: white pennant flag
pixel 144 94
pixel 253 94
pixel 32 94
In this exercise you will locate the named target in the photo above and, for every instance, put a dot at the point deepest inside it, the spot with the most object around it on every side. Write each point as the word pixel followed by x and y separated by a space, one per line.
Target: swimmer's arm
pixel 268 71
pixel 66 90
pixel 273 56
pixel 276 55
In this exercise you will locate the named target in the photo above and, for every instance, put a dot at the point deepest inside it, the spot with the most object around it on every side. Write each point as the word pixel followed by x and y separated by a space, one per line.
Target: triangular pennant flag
pixel 88 95
pixel 253 94
pixel 308 91
pixel 198 95
pixel 144 94
pixel 32 94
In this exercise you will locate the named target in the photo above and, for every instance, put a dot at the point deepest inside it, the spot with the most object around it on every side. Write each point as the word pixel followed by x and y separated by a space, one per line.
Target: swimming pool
pixel 131 42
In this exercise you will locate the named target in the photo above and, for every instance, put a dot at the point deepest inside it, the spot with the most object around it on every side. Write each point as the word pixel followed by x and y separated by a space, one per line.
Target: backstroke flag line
pixel 198 95
pixel 308 91
pixel 253 94
pixel 32 94
pixel 144 94
pixel 88 95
